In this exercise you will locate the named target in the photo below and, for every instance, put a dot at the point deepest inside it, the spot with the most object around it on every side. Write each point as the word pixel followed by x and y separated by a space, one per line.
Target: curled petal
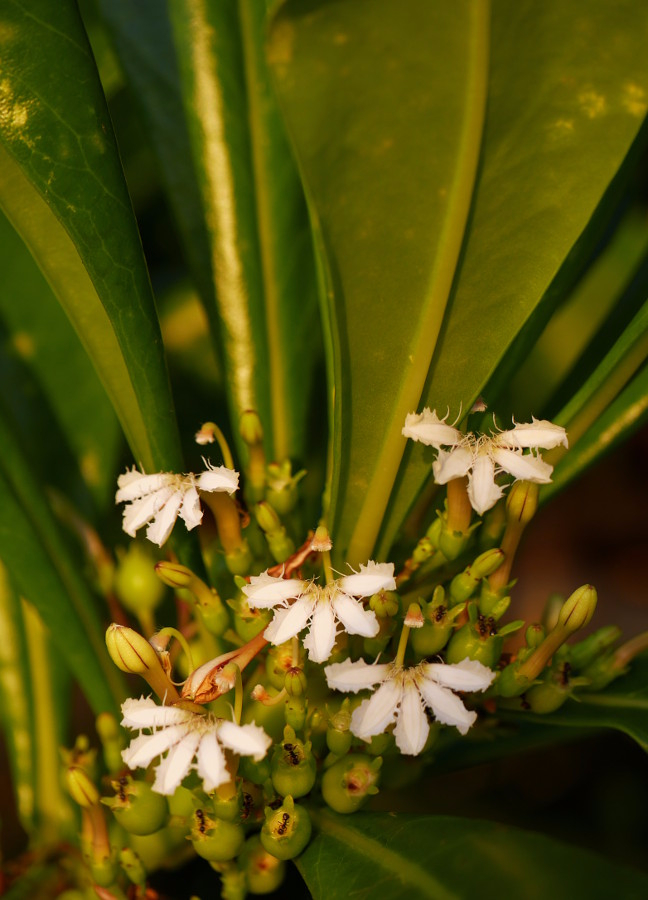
pixel 355 618
pixel 375 714
pixel 211 763
pixel 321 636
pixel 287 623
pixel 162 525
pixel 525 467
pixel 265 591
pixel 246 740
pixel 454 464
pixel 218 478
pixel 482 490
pixel 133 484
pixel 537 433
pixel 467 675
pixel 412 728
pixel 429 429
pixel 190 510
pixel 369 580
pixel 355 676
pixel 146 713
pixel 176 765
pixel 446 706
pixel 141 511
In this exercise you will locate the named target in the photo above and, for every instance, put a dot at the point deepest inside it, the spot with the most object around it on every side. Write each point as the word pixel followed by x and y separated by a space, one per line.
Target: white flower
pixel 183 736
pixel 483 457
pixel 404 694
pixel 159 499
pixel 319 608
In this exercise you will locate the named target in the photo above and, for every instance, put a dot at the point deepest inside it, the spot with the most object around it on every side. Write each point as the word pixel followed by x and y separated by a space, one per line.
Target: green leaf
pixel 43 571
pixel 385 104
pixel 557 132
pixel 62 187
pixel 394 855
pixel 622 706
pixel 49 383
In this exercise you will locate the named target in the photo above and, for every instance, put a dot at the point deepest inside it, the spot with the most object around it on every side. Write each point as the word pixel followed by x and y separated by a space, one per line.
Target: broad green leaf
pixel 393 855
pixel 49 384
pixel 16 701
pixel 385 104
pixel 557 132
pixel 62 188
pixel 259 244
pixel 43 571
pixel 622 706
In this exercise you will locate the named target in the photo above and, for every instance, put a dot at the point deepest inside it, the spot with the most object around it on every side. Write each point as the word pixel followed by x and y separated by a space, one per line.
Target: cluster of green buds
pixel 284 686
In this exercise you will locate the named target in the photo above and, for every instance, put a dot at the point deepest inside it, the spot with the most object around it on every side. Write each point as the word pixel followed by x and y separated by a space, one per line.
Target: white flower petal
pixel 133 484
pixel 375 714
pixel 525 467
pixel 265 591
pixel 483 493
pixel 146 747
pixel 429 429
pixel 211 763
pixel 412 728
pixel 321 636
pixel 218 478
pixel 190 510
pixel 455 464
pixel 538 433
pixel 446 706
pixel 176 765
pixel 355 676
pixel 467 675
pixel 369 580
pixel 355 618
pixel 139 512
pixel 162 525
pixel 287 623
pixel 246 740
pixel 146 713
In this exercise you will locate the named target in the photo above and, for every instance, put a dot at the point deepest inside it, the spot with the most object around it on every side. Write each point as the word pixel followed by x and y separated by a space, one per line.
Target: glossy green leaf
pixel 557 132
pixel 43 571
pixel 394 855
pixel 623 706
pixel 16 701
pixel 385 105
pixel 49 385
pixel 259 243
pixel 62 188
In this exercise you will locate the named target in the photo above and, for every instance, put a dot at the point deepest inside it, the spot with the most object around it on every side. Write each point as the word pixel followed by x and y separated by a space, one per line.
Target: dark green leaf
pixel 62 188
pixel 394 855
pixel 385 104
pixel 557 131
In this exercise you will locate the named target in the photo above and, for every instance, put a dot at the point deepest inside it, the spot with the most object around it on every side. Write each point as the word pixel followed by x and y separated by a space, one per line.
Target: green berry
pixel 349 782
pixel 137 807
pixel 136 583
pixel 293 768
pixel 264 873
pixel 215 839
pixel 287 830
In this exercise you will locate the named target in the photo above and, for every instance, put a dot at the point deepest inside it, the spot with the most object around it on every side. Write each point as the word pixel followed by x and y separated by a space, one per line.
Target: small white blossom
pixel 483 457
pixel 157 500
pixel 185 736
pixel 319 608
pixel 405 693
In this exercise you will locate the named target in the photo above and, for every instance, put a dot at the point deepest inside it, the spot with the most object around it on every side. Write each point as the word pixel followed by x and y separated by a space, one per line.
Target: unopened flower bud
pixel 534 635
pixel 594 645
pixel 173 574
pixel 295 682
pixel 135 583
pixel 578 610
pixel 130 651
pixel 385 604
pixel 250 427
pixel 423 551
pixel 464 584
pixel 522 502
pixel 81 788
pixel 267 518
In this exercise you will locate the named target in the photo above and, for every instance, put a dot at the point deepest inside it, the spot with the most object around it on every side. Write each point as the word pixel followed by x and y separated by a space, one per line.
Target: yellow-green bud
pixel 522 502
pixel 132 866
pixel 135 583
pixel 423 550
pixel 534 635
pixel 130 651
pixel 295 682
pixel 173 574
pixel 239 561
pixel 81 788
pixel 592 647
pixel 267 518
pixel 577 611
pixel 385 603
pixel 250 427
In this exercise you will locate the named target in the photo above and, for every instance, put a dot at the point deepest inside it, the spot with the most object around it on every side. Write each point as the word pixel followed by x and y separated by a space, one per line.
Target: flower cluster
pixel 185 735
pixel 160 498
pixel 482 457
pixel 320 609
